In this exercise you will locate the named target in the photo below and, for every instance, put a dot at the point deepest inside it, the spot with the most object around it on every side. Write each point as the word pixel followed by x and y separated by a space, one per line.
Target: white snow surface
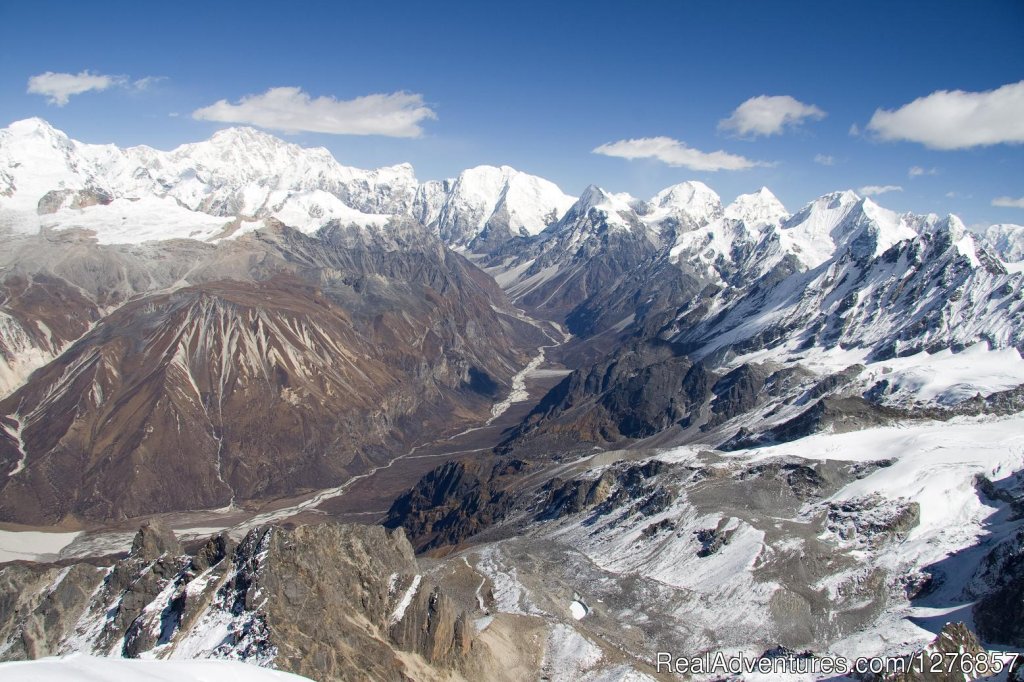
pixel 691 200
pixel 33 545
pixel 948 378
pixel 484 193
pixel 136 220
pixel 197 189
pixel 746 222
pixel 569 654
pixel 406 600
pixel 100 669
pixel 835 220
pixel 759 208
pixel 1007 240
pixel 942 378
pixel 935 464
pixel 612 207
pixel 191 191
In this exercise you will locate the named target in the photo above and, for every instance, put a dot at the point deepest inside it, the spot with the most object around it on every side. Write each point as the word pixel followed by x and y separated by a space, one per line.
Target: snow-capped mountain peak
pixel 250 138
pixel 839 198
pixel 592 197
pixel 759 208
pixel 193 191
pixel 842 220
pixel 487 202
pixel 692 200
pixel 34 126
pixel 596 198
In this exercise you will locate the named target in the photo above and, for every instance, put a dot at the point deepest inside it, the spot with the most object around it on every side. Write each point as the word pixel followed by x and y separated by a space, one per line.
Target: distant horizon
pixel 791 209
pixel 917 102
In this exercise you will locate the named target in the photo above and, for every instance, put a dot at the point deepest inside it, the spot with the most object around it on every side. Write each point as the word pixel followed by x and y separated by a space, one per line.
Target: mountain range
pixel 613 423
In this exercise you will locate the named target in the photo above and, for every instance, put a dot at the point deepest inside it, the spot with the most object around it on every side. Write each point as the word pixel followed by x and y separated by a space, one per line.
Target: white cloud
pixel 871 190
pixel 854 130
pixel 1008 202
pixel 954 119
pixel 145 83
pixel 769 115
pixel 676 153
pixel 291 110
pixel 59 87
pixel 825 159
pixel 917 171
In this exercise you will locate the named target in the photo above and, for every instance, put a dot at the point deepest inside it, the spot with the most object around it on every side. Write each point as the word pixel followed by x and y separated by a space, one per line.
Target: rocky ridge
pixel 327 601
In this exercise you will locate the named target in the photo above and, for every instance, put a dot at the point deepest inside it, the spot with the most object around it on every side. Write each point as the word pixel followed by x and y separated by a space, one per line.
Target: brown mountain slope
pixel 334 357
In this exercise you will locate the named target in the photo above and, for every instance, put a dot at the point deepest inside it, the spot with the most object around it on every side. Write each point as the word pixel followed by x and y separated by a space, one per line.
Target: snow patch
pixel 33 545
pixel 98 669
pixel 569 654
pixel 406 600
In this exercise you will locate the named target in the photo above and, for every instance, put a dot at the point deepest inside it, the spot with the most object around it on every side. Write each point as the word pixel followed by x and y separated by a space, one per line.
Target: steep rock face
pixel 328 601
pixel 997 587
pixel 646 388
pixel 455 501
pixel 955 644
pixel 41 605
pixel 635 303
pixel 933 290
pixel 598 241
pixel 312 571
pixel 836 415
pixel 997 615
pixel 633 485
pixel 239 390
pixel 841 274
pixel 638 391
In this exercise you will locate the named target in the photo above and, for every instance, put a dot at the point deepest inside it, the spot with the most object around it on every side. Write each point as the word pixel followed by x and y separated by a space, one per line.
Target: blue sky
pixel 539 86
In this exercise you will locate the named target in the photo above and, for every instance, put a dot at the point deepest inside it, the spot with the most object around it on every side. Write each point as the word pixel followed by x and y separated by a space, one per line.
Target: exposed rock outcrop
pixel 949 658
pixel 332 602
pixel 455 501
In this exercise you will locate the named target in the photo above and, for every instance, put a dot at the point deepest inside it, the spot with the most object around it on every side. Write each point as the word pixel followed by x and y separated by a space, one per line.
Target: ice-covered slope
pixel 597 209
pixel 838 220
pixel 1007 240
pixel 692 202
pixel 598 241
pixel 759 208
pixel 490 205
pixel 234 171
pixel 848 272
pixel 722 247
